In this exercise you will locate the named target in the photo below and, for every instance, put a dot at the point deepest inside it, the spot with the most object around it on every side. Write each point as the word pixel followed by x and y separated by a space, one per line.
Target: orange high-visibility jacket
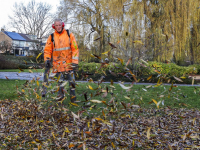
pixel 65 51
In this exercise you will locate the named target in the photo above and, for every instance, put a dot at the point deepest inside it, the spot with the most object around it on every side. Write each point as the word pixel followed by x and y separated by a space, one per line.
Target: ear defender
pixel 62 25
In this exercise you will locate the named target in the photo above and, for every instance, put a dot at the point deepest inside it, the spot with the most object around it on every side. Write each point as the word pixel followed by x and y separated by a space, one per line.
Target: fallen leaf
pixel 177 79
pixel 96 101
pixel 148 133
pixel 124 87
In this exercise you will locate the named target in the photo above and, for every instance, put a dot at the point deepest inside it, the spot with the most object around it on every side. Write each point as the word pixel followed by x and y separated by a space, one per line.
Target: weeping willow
pixel 167 30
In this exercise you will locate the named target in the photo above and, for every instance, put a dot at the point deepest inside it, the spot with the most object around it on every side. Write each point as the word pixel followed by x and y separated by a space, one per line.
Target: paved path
pixel 30 76
pixel 20 76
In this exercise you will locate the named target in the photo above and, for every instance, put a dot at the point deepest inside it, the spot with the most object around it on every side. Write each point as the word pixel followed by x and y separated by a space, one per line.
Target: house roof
pixel 22 37
pixel 25 37
pixel 15 36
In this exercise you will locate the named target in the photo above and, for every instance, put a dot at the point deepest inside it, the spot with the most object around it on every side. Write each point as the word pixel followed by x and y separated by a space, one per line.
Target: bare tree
pixel 33 18
pixel 36 48
pixel 6 47
pixel 87 14
pixel 99 19
pixel 4 28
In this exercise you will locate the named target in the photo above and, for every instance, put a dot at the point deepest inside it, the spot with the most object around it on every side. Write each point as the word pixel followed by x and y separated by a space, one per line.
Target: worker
pixel 62 50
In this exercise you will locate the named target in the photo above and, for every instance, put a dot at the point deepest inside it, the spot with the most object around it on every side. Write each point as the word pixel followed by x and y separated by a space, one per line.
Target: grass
pixel 142 95
pixel 8 88
pixel 123 113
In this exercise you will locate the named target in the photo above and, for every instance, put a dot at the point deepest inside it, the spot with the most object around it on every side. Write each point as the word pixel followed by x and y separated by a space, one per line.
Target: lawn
pixel 143 95
pixel 106 116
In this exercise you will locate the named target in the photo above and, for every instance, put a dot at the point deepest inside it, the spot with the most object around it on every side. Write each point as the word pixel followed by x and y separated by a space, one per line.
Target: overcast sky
pixel 7 5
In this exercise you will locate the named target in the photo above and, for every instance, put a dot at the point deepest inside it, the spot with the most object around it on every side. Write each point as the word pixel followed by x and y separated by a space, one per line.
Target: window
pixel 15 43
pixel 22 43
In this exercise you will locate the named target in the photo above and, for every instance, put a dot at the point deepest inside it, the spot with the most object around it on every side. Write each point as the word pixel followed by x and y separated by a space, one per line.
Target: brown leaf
pixel 123 104
pixel 103 113
pixel 81 145
pixel 178 79
pixel 85 95
pixel 171 87
pixel 157 71
pixel 121 60
pixel 103 65
pixel 149 77
pixel 97 39
pixel 21 69
pixel 97 56
pixel 88 133
pixel 111 82
pixel 113 46
pixel 129 61
pixel 71 145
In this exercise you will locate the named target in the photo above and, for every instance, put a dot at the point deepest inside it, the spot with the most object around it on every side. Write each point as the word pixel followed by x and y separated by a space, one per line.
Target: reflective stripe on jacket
pixel 65 51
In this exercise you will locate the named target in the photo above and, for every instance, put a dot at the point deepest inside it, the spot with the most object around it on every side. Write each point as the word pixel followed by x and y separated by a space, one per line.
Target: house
pixel 22 44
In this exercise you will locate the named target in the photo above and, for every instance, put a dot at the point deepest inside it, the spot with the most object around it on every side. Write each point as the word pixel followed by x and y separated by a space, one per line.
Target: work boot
pixel 43 94
pixel 61 94
pixel 44 91
pixel 73 99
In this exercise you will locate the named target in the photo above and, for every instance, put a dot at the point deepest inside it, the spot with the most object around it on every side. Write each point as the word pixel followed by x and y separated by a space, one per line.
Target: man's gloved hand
pixel 47 63
pixel 74 67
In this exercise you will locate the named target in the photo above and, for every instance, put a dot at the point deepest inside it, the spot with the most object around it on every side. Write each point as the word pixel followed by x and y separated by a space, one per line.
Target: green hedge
pixel 115 71
pixel 15 62
pixel 119 72
pixel 7 64
pixel 172 69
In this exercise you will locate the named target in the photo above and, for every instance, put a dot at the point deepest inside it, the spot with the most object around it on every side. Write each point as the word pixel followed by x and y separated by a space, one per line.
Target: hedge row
pixel 15 62
pixel 142 71
pixel 115 71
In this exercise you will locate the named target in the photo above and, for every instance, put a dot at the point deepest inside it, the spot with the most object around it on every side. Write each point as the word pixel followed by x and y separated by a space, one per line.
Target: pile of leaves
pixel 24 124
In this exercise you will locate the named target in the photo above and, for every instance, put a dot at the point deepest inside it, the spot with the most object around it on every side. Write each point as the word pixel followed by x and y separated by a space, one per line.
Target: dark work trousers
pixel 45 80
pixel 63 77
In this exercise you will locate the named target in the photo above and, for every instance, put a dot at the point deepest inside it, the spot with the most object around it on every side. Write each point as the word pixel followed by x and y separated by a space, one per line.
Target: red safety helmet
pixel 62 25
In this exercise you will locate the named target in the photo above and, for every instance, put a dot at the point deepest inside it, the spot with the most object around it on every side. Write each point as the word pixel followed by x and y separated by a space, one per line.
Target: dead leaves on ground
pixel 28 125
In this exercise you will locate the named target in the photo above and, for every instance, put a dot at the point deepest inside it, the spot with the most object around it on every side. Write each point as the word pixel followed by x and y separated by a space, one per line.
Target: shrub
pixel 172 69
pixel 118 72
pixel 111 71
pixel 195 68
pixel 15 62
pixel 7 64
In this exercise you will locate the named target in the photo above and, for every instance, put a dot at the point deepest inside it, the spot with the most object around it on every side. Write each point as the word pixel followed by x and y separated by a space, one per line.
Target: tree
pixel 176 21
pixel 4 28
pixel 36 47
pixel 33 18
pixel 169 29
pixel 89 15
pixel 160 30
pixel 6 47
